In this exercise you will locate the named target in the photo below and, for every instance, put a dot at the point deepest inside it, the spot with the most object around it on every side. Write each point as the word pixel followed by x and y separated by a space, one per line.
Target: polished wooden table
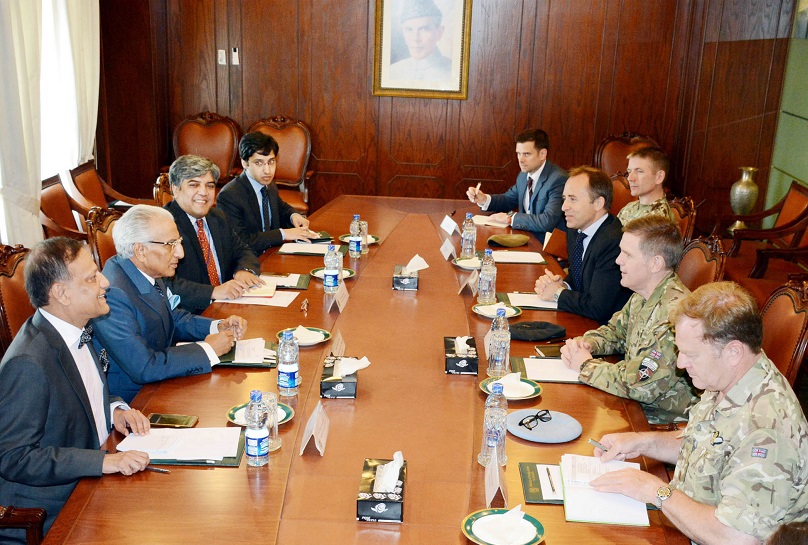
pixel 405 402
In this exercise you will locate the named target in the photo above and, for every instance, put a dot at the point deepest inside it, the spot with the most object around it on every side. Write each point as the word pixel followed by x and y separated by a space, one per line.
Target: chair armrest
pixel 115 196
pixel 309 175
pixel 796 226
pixel 24 517
pixel 58 230
pixel 764 255
pixel 722 222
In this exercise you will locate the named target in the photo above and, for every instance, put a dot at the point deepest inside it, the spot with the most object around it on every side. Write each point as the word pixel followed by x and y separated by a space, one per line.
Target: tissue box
pixel 344 387
pixel 404 281
pixel 461 365
pixel 376 506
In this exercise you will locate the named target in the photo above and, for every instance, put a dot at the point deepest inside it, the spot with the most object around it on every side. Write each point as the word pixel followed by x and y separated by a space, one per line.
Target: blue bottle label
pixel 257 446
pixel 287 379
pixel 355 244
pixel 330 279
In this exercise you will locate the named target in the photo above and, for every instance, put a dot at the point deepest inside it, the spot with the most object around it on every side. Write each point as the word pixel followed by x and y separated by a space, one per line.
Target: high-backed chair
pixel 99 234
pixel 30 519
pixel 621 194
pixel 210 135
pixel 56 209
pixel 613 150
pixel 85 181
pixel 15 307
pixel 291 174
pixel 785 328
pixel 685 212
pixel 702 262
pixel 162 190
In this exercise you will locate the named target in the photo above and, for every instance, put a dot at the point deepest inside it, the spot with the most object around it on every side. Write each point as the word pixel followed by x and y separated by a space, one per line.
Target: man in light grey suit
pixel 538 192
pixel 140 333
pixel 55 408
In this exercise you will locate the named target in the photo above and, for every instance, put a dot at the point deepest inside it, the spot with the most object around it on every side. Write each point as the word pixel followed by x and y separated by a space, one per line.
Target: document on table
pixel 506 256
pixel 479 219
pixel 280 299
pixel 549 370
pixel 303 248
pixel 185 444
pixel 582 503
pixel 531 300
pixel 289 281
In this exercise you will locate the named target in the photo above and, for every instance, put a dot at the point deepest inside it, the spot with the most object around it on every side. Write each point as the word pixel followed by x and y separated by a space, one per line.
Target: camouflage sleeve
pixel 760 483
pixel 609 338
pixel 644 377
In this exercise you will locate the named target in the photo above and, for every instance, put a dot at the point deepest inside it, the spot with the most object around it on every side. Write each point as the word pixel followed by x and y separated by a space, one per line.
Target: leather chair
pixel 15 307
pixel 162 190
pixel 291 175
pixel 210 135
pixel 621 194
pixel 613 150
pixel 785 327
pixel 85 181
pixel 56 209
pixel 702 262
pixel 99 234
pixel 685 212
pixel 30 519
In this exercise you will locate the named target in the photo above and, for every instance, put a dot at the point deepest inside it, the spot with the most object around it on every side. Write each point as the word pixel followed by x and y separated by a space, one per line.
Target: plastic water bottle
pixel 288 365
pixel 332 273
pixel 355 239
pixel 257 435
pixel 495 426
pixel 468 241
pixel 487 284
pixel 499 346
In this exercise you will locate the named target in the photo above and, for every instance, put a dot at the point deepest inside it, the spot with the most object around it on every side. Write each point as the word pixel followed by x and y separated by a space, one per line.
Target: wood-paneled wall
pixel 702 77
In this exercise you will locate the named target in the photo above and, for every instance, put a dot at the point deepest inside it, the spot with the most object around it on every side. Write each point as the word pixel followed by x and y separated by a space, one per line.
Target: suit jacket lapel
pixel 254 205
pixel 190 240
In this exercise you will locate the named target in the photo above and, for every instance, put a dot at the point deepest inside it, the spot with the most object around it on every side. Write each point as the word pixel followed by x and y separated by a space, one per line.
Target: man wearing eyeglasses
pixel 251 201
pixel 144 323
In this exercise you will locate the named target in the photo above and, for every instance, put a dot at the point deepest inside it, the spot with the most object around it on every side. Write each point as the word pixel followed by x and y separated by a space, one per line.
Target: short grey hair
pixel 191 166
pixel 135 227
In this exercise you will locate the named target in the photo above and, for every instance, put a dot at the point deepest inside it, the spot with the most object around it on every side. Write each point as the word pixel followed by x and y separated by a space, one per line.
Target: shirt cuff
pixel 486 204
pixel 212 357
pixel 116 404
pixel 283 236
pixel 214 326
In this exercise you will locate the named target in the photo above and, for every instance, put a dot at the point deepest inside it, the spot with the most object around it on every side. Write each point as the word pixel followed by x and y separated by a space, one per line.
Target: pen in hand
pixel 598 445
pixel 157 469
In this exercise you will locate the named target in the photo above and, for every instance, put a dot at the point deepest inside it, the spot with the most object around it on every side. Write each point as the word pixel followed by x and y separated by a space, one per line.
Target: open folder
pixel 189 446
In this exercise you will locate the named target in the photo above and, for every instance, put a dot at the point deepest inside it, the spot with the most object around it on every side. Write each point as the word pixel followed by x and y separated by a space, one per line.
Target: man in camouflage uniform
pixel 742 460
pixel 647 168
pixel 649 250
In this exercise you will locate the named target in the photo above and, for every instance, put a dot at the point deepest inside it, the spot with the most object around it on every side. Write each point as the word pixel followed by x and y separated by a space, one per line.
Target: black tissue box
pixel 329 388
pixel 457 364
pixel 404 281
pixel 380 506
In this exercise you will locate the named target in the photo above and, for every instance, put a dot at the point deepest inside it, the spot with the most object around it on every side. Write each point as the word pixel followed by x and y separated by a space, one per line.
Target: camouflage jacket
pixel 642 332
pixel 634 210
pixel 748 453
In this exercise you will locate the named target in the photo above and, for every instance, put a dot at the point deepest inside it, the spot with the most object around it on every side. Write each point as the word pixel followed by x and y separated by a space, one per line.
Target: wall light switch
pixel 222 56
pixel 234 58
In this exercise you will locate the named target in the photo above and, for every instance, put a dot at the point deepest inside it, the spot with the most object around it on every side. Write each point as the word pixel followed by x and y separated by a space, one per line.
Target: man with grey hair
pixel 140 332
pixel 421 25
pixel 217 264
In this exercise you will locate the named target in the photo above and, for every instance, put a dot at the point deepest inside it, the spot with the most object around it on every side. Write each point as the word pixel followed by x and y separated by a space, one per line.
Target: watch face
pixel 664 492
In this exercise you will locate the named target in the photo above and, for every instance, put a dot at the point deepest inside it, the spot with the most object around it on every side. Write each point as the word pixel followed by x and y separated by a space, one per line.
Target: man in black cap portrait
pixel 421 25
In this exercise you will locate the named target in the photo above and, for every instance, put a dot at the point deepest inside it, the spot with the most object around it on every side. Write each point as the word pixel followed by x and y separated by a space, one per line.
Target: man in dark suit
pixel 592 288
pixel 217 263
pixel 55 409
pixel 537 193
pixel 258 214
pixel 140 332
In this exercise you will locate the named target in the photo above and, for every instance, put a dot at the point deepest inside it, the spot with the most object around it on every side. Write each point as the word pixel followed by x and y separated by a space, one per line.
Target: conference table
pixel 405 401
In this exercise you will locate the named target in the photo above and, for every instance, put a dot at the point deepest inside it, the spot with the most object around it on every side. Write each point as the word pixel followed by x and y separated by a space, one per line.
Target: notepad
pixel 506 256
pixel 582 503
pixel 185 444
pixel 530 300
pixel 549 370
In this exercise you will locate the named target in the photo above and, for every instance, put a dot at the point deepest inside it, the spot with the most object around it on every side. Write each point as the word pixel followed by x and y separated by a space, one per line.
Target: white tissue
pixel 387 474
pixel 304 335
pixel 417 263
pixel 461 347
pixel 512 385
pixel 507 529
pixel 349 366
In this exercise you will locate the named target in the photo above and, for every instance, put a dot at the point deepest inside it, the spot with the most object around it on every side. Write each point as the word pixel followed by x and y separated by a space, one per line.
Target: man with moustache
pixel 141 331
pixel 55 408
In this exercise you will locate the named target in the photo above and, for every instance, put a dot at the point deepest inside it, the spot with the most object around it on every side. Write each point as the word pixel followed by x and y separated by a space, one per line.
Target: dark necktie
pixel 265 207
pixel 159 289
pixel 86 336
pixel 529 194
pixel 577 262
pixel 213 276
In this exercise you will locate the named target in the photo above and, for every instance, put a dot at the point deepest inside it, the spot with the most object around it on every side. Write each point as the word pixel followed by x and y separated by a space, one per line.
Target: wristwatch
pixel 556 294
pixel 663 493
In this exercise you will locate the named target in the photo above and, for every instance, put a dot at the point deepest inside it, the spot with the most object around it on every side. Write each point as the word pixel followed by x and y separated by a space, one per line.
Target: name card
pixel 340 298
pixel 338 345
pixel 317 427
pixel 449 225
pixel 447 249
pixel 471 282
pixel 494 481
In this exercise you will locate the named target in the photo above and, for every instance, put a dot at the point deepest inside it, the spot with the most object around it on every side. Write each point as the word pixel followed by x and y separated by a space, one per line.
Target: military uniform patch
pixel 656 354
pixel 758 452
pixel 647 368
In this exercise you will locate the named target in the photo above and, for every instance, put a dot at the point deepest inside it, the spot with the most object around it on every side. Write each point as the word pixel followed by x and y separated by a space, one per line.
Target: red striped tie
pixel 213 276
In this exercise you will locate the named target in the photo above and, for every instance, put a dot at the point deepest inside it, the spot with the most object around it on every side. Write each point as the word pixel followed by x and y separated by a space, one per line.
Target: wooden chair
pixel 209 135
pixel 612 152
pixel 292 175
pixel 162 190
pixel 15 307
pixel 685 212
pixel 30 519
pixel 621 194
pixel 85 181
pixel 702 262
pixel 99 234
pixel 785 327
pixel 56 209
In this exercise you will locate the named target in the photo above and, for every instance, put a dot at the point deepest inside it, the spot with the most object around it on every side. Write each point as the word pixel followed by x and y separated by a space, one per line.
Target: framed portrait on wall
pixel 422 48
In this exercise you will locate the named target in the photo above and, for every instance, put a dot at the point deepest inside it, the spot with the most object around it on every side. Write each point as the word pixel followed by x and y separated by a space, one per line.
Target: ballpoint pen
pixel 551 479
pixel 157 469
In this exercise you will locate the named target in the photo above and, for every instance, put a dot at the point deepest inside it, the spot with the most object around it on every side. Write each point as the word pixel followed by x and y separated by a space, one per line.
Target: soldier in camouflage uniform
pixel 647 169
pixel 742 460
pixel 650 248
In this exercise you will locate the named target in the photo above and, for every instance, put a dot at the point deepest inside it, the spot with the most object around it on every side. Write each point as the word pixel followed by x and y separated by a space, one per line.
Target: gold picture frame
pixel 422 48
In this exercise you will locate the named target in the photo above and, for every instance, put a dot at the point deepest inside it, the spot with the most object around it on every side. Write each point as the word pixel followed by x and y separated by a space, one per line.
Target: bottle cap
pixel 288 335
pixel 356 216
pixel 500 313
pixel 496 388
pixel 489 251
pixel 468 215
pixel 331 247
pixel 256 395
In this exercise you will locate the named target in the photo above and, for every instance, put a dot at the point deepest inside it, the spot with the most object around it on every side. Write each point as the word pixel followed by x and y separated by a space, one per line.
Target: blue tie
pixel 577 262
pixel 265 207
